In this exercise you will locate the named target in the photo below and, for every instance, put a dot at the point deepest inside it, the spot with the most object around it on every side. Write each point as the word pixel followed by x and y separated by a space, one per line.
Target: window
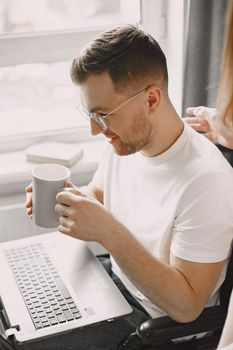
pixel 27 16
pixel 37 97
pixel 39 39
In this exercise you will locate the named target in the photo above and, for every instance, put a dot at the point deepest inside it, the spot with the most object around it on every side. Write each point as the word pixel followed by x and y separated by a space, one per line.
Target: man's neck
pixel 168 127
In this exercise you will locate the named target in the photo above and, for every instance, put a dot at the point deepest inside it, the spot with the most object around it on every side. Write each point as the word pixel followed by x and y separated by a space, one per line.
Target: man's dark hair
pixel 128 55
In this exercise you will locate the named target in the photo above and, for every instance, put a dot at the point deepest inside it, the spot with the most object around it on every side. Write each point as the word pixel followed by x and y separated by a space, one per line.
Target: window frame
pixel 36 47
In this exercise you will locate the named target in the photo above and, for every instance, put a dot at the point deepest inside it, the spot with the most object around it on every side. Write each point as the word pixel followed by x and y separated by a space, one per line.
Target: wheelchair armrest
pixel 163 329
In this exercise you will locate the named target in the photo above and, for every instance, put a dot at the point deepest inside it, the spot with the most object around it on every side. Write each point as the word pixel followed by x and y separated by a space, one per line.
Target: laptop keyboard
pixel 45 294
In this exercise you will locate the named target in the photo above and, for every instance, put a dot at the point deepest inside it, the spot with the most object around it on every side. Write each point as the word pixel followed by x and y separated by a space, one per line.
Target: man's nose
pixel 95 128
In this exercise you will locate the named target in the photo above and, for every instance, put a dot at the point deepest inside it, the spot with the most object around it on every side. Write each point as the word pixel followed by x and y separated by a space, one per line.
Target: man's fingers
pixel 65 221
pixel 70 184
pixel 73 190
pixel 29 212
pixel 28 200
pixel 28 204
pixel 63 229
pixel 69 197
pixel 63 209
pixel 28 188
pixel 66 198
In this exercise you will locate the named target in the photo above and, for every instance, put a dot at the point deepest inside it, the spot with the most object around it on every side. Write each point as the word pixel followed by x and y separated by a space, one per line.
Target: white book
pixel 54 152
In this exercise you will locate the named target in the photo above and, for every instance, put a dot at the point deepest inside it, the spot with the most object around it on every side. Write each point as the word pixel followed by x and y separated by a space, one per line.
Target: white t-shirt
pixel 180 201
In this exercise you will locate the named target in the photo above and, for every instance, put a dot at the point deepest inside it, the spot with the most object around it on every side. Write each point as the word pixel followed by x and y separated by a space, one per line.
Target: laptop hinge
pixel 9 330
pixel 5 341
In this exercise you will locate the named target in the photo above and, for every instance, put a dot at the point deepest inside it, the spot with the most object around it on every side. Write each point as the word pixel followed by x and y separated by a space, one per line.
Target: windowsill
pixel 15 170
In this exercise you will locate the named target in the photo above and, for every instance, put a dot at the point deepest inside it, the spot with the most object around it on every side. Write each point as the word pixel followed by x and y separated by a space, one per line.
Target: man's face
pixel 128 129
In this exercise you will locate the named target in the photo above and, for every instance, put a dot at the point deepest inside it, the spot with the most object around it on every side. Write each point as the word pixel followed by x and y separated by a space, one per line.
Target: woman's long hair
pixel 225 94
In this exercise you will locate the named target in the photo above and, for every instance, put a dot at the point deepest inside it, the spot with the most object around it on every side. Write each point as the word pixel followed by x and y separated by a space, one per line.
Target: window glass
pixel 48 15
pixel 39 97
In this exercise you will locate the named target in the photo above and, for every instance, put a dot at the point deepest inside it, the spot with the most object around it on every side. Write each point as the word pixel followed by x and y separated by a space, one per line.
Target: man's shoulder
pixel 205 154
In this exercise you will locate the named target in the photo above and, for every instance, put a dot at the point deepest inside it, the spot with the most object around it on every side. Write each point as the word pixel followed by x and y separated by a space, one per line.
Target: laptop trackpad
pixel 85 281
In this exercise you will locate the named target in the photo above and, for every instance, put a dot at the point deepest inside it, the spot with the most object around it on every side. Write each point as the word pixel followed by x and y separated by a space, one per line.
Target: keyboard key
pixel 74 310
pixel 64 308
pixel 61 318
pixel 71 305
pixel 43 319
pixel 77 315
pixel 57 307
pixel 68 315
pixel 40 310
pixel 45 324
pixel 58 312
pixel 38 325
pixel 62 287
pixel 53 321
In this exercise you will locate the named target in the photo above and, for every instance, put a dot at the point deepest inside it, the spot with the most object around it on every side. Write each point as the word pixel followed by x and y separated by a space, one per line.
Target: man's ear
pixel 154 97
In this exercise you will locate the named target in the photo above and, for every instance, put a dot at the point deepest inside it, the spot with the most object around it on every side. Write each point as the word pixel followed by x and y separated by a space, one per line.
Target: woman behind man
pixel 217 125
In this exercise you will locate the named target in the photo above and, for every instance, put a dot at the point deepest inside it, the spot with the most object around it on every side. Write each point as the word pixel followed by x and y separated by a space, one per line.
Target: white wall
pixel 174 50
pixel 164 20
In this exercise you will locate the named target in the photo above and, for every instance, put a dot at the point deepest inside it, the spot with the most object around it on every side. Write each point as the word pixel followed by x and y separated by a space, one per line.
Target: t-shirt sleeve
pixel 203 226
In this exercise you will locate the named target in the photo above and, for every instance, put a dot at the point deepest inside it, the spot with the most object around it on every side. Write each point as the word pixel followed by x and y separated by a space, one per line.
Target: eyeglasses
pixel 101 119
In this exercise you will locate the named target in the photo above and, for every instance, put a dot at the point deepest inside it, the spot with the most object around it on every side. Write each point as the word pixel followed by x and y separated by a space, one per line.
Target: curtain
pixel 203 52
pixel 204 41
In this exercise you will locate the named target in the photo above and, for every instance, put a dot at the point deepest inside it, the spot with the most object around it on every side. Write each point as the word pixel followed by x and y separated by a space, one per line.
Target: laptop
pixel 53 284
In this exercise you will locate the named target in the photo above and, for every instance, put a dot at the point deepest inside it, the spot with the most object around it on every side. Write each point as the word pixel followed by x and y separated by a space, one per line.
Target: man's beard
pixel 139 137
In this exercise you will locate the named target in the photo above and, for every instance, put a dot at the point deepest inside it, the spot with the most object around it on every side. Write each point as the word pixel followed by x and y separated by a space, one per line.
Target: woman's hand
pixel 203 120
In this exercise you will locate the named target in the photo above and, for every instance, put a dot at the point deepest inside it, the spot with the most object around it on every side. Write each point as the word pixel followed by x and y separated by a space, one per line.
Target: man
pixel 161 202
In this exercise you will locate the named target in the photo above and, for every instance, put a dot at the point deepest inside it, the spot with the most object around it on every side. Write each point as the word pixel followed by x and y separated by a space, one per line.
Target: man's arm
pixel 93 191
pixel 180 288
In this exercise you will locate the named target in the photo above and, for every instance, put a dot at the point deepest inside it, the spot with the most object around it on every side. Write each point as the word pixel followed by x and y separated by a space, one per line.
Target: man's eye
pixel 101 114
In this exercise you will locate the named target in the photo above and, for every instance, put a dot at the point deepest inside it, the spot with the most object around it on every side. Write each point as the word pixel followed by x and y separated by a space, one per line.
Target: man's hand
pixel 29 190
pixel 203 120
pixel 83 217
pixel 28 203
